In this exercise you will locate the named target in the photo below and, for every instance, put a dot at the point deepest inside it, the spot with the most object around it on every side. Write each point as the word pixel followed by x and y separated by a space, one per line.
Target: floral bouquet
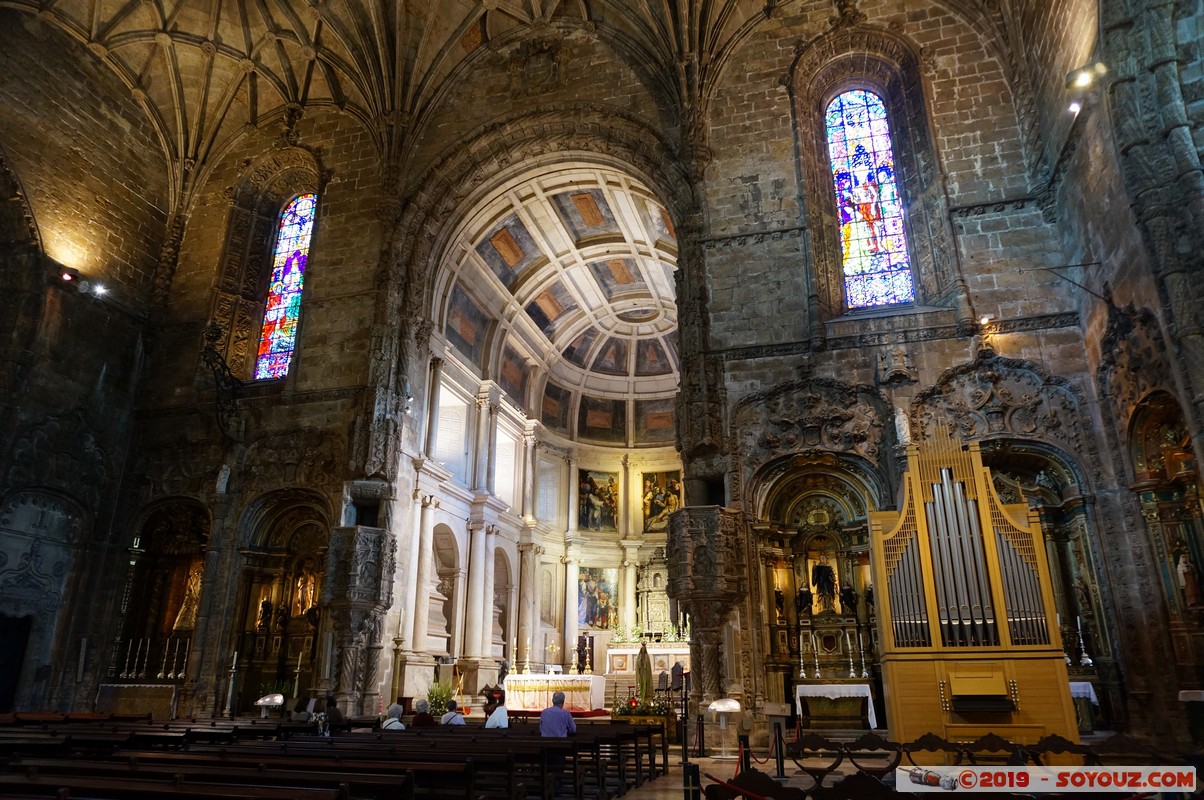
pixel 322 722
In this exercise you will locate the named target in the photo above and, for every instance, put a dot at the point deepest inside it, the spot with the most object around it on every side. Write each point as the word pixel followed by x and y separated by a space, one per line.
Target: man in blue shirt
pixel 554 721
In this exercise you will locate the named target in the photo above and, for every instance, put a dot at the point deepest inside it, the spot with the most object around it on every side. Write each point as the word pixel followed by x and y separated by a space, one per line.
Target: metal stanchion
pixel 691 781
pixel 779 749
pixel 702 749
pixel 745 752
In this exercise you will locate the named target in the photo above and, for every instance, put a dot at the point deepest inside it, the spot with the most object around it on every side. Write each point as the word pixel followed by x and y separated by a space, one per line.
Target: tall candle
pixel 298 661
pixel 234 661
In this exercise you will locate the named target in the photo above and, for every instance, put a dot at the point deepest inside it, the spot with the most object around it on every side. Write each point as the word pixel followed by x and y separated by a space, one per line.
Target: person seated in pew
pixel 555 721
pixel 393 719
pixel 496 716
pixel 453 715
pixel 301 711
pixel 422 715
pixel 334 715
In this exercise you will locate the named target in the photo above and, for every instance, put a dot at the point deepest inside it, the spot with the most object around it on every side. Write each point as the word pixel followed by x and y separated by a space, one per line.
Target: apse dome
pixel 560 287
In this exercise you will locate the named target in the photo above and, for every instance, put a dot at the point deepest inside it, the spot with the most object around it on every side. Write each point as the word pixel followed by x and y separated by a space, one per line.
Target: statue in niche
pixel 779 602
pixel 1189 581
pixel 823 578
pixel 265 614
pixel 303 599
pixel 186 617
pixel 869 599
pixel 803 600
pixel 848 599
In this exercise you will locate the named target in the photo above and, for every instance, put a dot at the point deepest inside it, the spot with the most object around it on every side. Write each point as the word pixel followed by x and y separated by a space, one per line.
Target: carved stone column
pixel 707 575
pixel 359 590
pixel 480 454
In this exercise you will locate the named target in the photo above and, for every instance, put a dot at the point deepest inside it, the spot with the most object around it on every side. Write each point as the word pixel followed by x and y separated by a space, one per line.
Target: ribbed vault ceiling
pixel 206 69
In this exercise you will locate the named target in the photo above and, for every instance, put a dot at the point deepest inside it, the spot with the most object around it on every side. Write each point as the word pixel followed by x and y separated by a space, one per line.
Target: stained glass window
pixel 284 293
pixel 876 266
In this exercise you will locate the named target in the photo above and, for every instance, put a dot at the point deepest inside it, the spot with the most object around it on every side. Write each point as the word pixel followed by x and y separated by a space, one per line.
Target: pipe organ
pixel 966 617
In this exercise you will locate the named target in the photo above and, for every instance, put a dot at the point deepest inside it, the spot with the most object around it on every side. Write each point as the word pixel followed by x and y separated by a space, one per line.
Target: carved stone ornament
pixel 361 565
pixel 29 585
pixel 817 414
pixel 994 396
pixel 60 453
pixel 706 555
pixel 1133 360
pixel 308 458
pixel 895 366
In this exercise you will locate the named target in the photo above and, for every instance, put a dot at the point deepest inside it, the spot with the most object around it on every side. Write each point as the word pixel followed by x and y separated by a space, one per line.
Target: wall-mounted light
pixel 1086 77
pixel 985 319
pixel 1083 84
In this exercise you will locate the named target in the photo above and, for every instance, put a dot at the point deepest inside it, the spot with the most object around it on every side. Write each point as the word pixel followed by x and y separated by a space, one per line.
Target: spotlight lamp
pixel 1083 83
pixel 1086 77
pixel 986 319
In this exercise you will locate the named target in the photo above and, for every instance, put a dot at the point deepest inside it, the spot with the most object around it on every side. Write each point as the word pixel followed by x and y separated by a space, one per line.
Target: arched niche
pixel 41 538
pixel 446 592
pixel 502 630
pixel 267 183
pixel 1168 488
pixel 163 594
pixel 282 593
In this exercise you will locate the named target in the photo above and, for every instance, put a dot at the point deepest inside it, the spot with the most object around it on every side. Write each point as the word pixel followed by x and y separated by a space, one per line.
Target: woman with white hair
pixel 393 719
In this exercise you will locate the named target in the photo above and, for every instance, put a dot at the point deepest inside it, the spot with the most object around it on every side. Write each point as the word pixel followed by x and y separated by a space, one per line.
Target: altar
pixel 836 691
pixel 533 691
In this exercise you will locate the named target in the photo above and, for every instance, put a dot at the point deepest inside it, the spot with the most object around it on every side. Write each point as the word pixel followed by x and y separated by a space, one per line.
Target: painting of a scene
pixel 597 597
pixel 661 497
pixel 597 500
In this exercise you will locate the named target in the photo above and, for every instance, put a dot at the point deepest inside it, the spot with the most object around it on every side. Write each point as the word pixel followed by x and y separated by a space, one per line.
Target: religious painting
pixel 597 598
pixel 597 500
pixel 661 497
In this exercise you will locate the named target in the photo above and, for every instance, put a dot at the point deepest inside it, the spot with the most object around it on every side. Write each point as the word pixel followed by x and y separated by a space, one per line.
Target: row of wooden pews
pixel 111 757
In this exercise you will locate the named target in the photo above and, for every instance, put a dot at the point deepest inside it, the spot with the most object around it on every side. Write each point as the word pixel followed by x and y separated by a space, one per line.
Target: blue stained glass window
pixel 283 309
pixel 874 257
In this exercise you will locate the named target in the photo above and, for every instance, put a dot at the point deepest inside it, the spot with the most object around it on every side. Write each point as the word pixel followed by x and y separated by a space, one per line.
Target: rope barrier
pixel 739 758
pixel 765 760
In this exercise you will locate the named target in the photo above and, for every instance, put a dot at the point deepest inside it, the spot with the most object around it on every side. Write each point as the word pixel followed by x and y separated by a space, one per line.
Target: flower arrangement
pixel 438 695
pixel 323 724
pixel 632 707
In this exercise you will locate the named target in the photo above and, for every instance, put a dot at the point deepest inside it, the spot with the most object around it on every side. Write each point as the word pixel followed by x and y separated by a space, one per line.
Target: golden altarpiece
pixel 968 630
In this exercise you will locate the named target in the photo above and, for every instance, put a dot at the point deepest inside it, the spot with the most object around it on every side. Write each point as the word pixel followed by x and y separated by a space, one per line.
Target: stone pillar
pixel 570 603
pixel 769 612
pixel 432 409
pixel 491 447
pixel 411 584
pixel 528 591
pixel 485 636
pixel 574 492
pixel 474 612
pixel 480 455
pixel 422 575
pixel 530 471
pixel 456 578
pixel 631 551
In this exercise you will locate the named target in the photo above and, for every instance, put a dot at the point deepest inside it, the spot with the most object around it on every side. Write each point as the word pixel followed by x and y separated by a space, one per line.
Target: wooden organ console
pixel 968 631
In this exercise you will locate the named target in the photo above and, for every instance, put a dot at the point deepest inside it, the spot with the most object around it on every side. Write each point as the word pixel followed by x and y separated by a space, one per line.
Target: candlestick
pixel 163 666
pixel 848 645
pixel 802 662
pixel 125 671
pixel 815 653
pixel 865 673
pixel 234 661
pixel 299 653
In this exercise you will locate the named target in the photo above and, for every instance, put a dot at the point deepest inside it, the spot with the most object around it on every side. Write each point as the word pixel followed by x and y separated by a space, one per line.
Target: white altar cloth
pixel 533 691
pixel 1084 689
pixel 834 690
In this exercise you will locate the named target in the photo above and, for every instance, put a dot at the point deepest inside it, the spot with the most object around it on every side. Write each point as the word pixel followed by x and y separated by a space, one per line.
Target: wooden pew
pixel 92 786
